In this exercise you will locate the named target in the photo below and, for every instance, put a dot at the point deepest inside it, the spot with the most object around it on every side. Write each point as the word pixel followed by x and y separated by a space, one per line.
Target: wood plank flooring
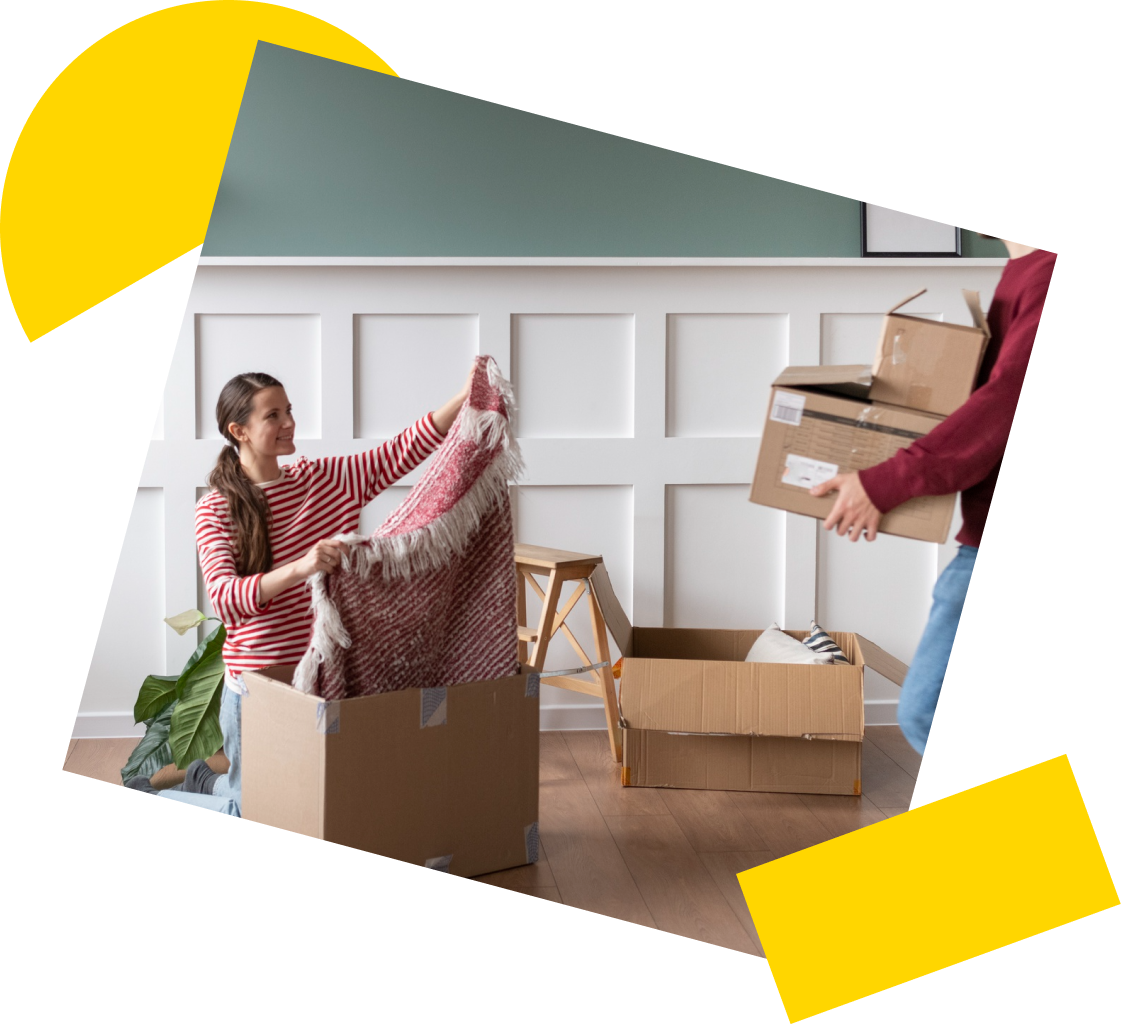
pixel 658 857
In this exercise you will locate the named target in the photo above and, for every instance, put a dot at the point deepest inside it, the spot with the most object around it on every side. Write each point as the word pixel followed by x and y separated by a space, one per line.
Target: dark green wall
pixel 333 160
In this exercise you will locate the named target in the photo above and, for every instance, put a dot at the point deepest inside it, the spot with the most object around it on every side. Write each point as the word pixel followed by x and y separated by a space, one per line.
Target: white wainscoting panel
pixel 714 363
pixel 377 512
pixel 724 558
pixel 640 390
pixel 574 375
pixel 284 346
pixel 131 644
pixel 407 365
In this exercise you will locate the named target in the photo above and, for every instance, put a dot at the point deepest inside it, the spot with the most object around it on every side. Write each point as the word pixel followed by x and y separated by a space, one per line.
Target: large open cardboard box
pixel 445 777
pixel 695 715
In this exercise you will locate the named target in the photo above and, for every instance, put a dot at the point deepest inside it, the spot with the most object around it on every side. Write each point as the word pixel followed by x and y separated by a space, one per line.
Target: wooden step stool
pixel 560 567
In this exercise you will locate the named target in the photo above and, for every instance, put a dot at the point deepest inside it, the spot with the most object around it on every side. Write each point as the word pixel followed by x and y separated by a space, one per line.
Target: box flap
pixel 899 305
pixel 618 625
pixel 743 698
pixel 879 660
pixel 973 301
pixel 822 377
pixel 853 381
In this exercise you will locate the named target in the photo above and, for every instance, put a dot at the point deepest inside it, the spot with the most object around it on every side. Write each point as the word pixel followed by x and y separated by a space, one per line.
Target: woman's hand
pixel 853 513
pixel 445 416
pixel 323 557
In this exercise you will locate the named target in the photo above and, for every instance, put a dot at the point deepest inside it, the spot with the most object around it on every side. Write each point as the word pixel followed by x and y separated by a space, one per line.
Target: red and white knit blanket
pixel 429 600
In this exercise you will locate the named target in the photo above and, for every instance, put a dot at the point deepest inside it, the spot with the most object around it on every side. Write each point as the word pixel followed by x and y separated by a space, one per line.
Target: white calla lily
pixel 185 621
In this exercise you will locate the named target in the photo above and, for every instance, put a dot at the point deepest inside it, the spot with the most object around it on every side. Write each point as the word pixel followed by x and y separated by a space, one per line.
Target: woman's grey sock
pixel 141 783
pixel 200 778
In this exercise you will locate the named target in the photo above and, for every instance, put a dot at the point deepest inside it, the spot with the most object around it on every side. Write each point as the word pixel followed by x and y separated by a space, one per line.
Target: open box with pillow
pixel 696 715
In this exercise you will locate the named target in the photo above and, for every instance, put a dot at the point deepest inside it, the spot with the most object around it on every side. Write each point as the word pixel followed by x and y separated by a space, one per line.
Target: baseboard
pixel 105 725
pixel 881 712
pixel 589 716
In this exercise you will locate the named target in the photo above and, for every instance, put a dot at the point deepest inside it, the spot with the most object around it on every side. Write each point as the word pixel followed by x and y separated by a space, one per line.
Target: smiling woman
pixel 263 529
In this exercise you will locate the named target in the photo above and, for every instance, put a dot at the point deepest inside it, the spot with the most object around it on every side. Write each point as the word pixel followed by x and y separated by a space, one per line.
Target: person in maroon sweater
pixel 962 453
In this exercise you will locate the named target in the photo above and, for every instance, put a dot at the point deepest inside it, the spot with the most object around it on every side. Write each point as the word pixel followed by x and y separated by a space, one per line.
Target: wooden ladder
pixel 560 567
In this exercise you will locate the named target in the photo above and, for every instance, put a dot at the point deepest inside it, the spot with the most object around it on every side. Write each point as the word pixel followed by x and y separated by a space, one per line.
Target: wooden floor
pixel 658 857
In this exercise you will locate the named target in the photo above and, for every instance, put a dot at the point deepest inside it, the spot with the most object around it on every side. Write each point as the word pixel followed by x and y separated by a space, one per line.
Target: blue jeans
pixel 226 797
pixel 928 668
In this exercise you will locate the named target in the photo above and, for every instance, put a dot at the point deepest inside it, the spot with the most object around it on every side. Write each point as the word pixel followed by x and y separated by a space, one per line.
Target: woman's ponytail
pixel 249 509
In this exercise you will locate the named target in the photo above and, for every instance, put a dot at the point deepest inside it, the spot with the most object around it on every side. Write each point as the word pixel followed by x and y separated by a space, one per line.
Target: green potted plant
pixel 181 712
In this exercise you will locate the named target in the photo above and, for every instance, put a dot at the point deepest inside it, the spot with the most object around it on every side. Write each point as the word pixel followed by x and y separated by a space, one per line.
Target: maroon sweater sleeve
pixel 966 447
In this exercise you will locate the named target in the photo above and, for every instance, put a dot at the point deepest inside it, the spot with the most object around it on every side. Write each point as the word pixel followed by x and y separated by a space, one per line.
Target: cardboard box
pixel 695 715
pixel 812 435
pixel 926 364
pixel 444 777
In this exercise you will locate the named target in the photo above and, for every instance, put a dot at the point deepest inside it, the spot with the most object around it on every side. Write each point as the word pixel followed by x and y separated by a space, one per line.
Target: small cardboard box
pixel 812 434
pixel 695 715
pixel 926 364
pixel 444 776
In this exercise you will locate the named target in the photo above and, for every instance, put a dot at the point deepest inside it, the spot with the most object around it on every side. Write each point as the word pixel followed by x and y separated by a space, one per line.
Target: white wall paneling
pixel 131 642
pixel 574 374
pixel 715 362
pixel 286 346
pixel 407 362
pixel 640 385
pixel 724 558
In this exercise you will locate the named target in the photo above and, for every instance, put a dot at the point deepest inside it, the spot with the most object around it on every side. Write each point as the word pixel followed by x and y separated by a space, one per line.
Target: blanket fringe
pixel 329 635
pixel 429 547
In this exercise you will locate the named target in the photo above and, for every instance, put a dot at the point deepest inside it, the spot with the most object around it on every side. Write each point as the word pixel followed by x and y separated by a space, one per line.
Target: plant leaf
pixel 195 732
pixel 155 694
pixel 185 621
pixel 210 646
pixel 153 752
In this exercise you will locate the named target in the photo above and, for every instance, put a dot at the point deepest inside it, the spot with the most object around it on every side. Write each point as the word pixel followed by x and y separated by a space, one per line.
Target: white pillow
pixel 775 646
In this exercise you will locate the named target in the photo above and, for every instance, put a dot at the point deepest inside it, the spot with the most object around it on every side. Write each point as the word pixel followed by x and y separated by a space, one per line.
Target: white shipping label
pixel 788 408
pixel 806 473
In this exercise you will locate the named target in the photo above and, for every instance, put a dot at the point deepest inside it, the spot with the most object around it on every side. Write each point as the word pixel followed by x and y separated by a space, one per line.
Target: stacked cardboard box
pixel 823 421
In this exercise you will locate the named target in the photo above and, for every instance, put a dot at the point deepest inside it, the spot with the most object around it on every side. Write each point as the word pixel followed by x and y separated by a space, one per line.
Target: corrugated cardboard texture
pixel 465 788
pixel 746 698
pixel 874 657
pixel 281 754
pixel 850 435
pixel 854 381
pixel 698 716
pixel 767 764
pixel 614 615
pixel 925 364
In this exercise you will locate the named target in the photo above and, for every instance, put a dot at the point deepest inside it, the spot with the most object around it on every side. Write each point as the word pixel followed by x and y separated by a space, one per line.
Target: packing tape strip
pixel 441 864
pixel 532 843
pixel 533 681
pixel 433 706
pixel 572 672
pixel 327 717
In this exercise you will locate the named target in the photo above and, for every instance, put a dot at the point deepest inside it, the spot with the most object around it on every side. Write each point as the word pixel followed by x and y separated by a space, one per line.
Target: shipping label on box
pixel 834 434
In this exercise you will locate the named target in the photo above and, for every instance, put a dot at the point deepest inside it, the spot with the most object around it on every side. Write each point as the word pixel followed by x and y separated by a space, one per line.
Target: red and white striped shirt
pixel 309 501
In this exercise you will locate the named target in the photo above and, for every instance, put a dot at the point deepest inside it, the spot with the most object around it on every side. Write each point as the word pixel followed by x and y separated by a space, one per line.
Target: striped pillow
pixel 823 644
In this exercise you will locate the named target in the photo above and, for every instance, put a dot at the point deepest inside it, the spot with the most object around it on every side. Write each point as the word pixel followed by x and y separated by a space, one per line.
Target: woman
pixel 263 530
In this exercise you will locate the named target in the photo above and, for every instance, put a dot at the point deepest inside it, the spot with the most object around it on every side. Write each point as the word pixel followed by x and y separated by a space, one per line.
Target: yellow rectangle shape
pixel 967 874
